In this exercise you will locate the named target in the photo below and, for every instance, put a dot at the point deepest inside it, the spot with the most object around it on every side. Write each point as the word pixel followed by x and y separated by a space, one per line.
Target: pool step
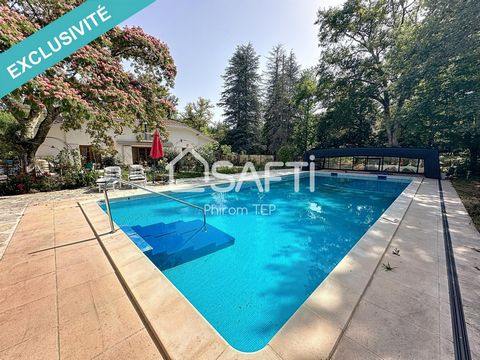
pixel 179 242
pixel 137 239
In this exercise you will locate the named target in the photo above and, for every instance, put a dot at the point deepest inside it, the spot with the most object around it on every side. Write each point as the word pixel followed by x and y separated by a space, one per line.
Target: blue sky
pixel 202 36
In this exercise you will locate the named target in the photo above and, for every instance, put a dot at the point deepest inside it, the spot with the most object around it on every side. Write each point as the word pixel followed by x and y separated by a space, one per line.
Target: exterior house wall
pixel 180 137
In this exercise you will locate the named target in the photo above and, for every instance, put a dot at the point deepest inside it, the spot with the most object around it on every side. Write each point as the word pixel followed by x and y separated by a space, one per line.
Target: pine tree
pixel 282 79
pixel 240 100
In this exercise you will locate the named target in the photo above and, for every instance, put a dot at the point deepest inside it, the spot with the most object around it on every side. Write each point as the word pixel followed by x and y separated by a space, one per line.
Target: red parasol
pixel 156 152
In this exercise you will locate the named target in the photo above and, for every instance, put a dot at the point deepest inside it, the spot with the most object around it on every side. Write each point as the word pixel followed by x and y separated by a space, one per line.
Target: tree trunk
pixel 30 146
pixel 391 129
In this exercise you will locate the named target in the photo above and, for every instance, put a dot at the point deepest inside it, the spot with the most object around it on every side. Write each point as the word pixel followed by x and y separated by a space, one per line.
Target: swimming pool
pixel 264 261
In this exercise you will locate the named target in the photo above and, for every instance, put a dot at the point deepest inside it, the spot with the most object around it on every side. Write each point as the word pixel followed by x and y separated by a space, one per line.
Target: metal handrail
pixel 171 198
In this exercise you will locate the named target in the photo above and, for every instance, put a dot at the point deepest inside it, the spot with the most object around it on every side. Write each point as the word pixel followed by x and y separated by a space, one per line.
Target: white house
pixel 130 150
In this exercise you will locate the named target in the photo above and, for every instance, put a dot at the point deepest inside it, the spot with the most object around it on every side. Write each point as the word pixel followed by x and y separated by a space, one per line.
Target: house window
pixel 140 155
pixel 89 156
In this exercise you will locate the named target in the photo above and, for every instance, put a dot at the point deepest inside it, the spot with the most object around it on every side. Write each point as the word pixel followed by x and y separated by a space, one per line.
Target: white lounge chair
pixel 136 174
pixel 111 177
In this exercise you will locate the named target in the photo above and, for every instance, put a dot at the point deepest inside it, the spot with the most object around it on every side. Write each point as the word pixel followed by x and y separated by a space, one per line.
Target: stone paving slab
pixel 466 247
pixel 59 296
pixel 402 315
pixel 405 313
pixel 10 214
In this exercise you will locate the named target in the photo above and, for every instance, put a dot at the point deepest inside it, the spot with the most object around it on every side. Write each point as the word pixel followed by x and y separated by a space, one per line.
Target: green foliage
pixel 225 152
pixel 212 152
pixel 287 153
pixel 357 40
pixel 71 177
pixel 438 62
pixel 209 152
pixel 218 131
pixel 67 159
pixel 348 122
pixel 280 91
pixel 240 100
pixel 111 160
pixel 188 174
pixel 306 104
pixel 75 178
pixel 68 165
pixel 469 192
pixel 395 73
pixel 90 87
pixel 198 115
pixel 8 150
pixel 456 164
pixel 229 170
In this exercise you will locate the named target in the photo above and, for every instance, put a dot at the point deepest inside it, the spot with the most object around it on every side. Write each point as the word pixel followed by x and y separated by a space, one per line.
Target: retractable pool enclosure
pixel 383 160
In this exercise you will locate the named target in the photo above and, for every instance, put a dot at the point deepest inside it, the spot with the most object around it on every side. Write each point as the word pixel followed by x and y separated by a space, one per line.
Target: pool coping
pixel 312 331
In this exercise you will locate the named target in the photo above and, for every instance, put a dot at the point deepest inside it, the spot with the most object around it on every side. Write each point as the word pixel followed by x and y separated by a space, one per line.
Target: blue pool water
pixel 258 269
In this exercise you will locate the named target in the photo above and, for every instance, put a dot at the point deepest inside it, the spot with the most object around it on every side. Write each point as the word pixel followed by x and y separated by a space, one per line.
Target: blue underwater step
pixel 179 242
pixel 156 231
pixel 137 239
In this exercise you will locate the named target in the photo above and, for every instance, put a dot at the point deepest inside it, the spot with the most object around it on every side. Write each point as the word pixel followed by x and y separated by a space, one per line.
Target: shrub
pixel 110 161
pixel 23 184
pixel 76 178
pixel 47 183
pixel 229 170
pixel 287 153
pixel 188 174
pixel 213 152
pixel 16 185
pixel 208 152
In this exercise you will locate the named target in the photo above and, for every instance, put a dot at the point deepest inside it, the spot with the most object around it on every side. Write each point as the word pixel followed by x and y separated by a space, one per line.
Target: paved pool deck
pixel 61 298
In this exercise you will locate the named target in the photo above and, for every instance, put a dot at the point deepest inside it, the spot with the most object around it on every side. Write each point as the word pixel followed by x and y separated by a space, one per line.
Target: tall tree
pixel 90 87
pixel 218 131
pixel 357 39
pixel 198 114
pixel 306 104
pixel 439 64
pixel 349 121
pixel 281 81
pixel 240 100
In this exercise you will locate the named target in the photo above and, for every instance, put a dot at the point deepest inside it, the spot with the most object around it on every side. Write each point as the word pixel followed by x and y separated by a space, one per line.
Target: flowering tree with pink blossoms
pixel 122 79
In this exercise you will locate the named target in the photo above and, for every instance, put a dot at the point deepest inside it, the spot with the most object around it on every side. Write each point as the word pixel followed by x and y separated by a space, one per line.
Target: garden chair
pixel 136 174
pixel 111 177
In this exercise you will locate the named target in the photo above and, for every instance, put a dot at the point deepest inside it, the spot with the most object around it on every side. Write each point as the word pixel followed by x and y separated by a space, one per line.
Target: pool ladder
pixel 109 212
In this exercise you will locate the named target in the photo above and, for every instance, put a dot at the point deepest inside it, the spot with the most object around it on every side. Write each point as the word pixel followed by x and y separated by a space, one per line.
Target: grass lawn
pixel 469 192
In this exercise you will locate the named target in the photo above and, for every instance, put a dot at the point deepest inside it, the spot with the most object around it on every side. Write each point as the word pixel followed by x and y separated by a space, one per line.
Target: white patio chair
pixel 111 177
pixel 136 174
